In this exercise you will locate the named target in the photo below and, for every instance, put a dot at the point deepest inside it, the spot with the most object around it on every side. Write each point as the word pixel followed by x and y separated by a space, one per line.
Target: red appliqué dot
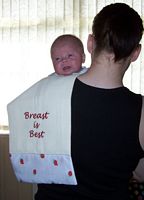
pixel 34 171
pixel 42 155
pixel 70 173
pixel 55 162
pixel 21 161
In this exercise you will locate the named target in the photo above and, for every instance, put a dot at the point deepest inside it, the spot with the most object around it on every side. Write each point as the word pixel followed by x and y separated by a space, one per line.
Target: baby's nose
pixel 64 59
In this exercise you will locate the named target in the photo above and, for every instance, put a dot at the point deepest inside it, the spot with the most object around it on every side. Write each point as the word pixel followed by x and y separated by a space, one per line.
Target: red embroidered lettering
pixel 29 115
pixel 33 115
pixel 36 134
pixel 46 115
pixel 26 114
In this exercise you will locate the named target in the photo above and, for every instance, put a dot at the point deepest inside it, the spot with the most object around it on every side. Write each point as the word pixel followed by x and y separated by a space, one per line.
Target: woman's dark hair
pixel 117 28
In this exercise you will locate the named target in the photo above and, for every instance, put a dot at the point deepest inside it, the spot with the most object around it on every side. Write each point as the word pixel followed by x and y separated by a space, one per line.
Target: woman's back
pixel 106 149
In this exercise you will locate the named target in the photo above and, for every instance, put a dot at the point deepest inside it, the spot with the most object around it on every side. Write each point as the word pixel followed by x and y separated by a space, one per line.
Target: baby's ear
pixel 90 43
pixel 83 57
pixel 135 53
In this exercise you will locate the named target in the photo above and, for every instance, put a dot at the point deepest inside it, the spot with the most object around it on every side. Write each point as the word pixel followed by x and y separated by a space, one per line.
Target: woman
pixel 106 141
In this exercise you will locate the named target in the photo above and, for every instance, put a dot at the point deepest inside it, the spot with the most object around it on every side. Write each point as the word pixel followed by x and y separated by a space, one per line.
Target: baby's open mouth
pixel 66 68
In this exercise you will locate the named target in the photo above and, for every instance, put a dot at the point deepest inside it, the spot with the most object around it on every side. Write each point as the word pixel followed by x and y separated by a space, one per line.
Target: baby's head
pixel 67 53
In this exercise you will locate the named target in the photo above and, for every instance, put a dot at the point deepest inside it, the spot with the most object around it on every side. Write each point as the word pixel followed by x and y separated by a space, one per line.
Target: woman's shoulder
pixel 141 129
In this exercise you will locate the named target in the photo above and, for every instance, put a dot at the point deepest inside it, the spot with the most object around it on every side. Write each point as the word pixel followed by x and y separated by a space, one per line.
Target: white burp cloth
pixel 40 132
pixel 43 168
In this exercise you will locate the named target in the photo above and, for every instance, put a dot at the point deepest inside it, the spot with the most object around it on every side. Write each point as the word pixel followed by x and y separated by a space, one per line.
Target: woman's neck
pixel 104 73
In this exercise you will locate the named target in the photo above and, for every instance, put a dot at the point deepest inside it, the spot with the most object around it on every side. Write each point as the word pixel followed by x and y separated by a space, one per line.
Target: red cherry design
pixel 42 155
pixel 21 161
pixel 55 162
pixel 70 173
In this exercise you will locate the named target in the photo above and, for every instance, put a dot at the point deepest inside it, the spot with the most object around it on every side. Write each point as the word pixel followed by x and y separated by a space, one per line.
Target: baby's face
pixel 67 59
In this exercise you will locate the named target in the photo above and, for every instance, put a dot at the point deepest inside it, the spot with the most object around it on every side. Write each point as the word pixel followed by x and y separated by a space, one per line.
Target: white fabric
pixel 42 168
pixel 40 124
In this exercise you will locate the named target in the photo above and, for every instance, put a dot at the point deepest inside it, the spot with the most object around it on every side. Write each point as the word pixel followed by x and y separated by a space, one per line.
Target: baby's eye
pixel 58 59
pixel 70 56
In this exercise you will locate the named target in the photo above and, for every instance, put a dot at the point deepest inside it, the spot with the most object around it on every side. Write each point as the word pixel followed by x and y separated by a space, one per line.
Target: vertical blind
pixel 27 30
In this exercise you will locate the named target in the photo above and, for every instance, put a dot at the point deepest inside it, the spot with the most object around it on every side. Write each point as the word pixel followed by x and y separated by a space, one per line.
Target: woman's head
pixel 117 29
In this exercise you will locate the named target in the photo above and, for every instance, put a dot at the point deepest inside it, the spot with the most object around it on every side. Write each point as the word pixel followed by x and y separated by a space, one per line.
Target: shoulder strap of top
pixel 139 171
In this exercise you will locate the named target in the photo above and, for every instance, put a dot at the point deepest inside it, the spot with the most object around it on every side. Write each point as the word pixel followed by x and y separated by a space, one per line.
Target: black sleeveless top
pixel 105 144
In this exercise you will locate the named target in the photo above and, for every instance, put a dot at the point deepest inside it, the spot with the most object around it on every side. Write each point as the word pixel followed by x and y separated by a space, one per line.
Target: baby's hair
pixel 70 38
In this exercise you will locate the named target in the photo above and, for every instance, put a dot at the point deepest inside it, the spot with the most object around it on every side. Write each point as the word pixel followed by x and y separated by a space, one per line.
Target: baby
pixel 67 53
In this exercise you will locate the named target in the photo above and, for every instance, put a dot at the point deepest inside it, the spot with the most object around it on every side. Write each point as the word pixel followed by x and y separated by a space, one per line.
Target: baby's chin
pixel 67 73
pixel 66 70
